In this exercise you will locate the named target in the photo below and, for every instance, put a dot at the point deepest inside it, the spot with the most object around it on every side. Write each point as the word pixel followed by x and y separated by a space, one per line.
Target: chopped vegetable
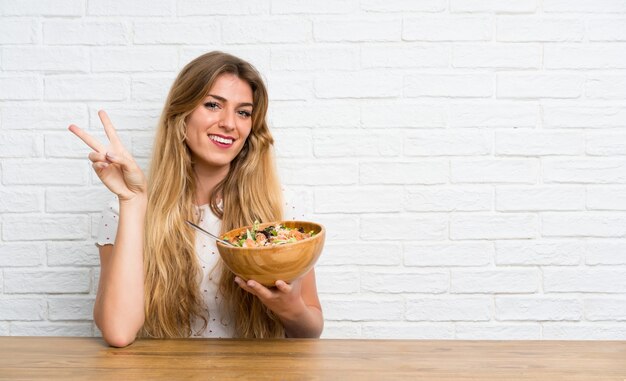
pixel 271 235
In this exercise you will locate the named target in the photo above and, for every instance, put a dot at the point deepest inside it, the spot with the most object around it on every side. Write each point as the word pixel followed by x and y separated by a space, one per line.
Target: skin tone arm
pixel 296 305
pixel 119 305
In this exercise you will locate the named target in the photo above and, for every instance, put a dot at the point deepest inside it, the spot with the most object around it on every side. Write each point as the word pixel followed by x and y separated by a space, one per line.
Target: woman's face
pixel 217 129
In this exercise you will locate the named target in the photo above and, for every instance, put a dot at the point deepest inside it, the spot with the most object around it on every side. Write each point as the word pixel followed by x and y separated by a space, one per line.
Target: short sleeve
pixel 108 223
pixel 294 208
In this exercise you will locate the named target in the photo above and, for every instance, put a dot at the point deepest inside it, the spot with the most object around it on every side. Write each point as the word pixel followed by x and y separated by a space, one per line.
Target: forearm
pixel 309 323
pixel 119 308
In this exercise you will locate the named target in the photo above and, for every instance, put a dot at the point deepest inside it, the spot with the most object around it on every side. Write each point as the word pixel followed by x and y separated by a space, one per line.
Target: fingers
pixel 108 128
pixel 88 139
pixel 97 157
pixel 283 286
pixel 254 288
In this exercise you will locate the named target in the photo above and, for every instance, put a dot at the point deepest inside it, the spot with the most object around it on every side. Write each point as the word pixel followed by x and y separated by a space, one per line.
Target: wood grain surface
pixel 63 358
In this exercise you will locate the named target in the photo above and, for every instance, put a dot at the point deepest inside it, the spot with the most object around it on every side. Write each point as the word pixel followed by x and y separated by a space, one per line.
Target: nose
pixel 227 120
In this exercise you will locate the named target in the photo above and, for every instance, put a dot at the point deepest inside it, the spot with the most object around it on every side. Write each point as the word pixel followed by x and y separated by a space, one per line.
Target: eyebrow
pixel 226 100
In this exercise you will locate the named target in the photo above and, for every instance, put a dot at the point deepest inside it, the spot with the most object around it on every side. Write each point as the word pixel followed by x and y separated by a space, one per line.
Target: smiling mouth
pixel 221 140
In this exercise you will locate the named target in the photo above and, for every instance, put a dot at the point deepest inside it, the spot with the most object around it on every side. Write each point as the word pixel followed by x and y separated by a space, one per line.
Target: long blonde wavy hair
pixel 250 191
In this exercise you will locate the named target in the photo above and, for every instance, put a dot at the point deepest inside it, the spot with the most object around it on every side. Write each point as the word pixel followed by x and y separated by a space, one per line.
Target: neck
pixel 207 179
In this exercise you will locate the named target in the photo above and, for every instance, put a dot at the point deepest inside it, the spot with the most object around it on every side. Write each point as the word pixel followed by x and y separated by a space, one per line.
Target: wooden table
pixel 57 358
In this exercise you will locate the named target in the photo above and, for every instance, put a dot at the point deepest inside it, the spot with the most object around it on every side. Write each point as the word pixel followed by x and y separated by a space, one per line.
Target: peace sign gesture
pixel 113 164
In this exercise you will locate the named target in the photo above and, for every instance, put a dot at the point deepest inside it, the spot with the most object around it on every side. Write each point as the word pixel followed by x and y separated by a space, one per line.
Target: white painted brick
pixel 20 200
pixel 404 6
pixel 584 56
pixel 581 224
pixel 293 143
pixel 497 6
pixel 360 254
pixel 535 308
pixel 314 58
pixel 339 227
pixel 453 28
pixel 343 280
pixel 70 308
pixel 405 56
pixel 537 29
pixel 606 29
pixel 76 199
pixel 423 172
pixel 597 309
pixel 18 31
pixel 449 85
pixel 494 114
pixel 32 227
pixel 373 199
pixel 403 281
pixel 409 331
pixel 72 253
pixel 362 84
pixel 257 55
pixel 482 331
pixel 448 309
pixel 517 281
pixel 307 7
pixel 85 88
pixel 583 280
pixel 142 116
pixel 448 199
pixel 405 228
pixel 141 146
pixel 139 59
pixel 150 88
pixel 448 254
pixel 19 144
pixel 584 6
pixel 540 198
pixel 539 252
pixel 507 56
pixel 80 32
pixel 20 87
pixel 522 85
pixel 605 252
pixel 539 143
pixel 49 59
pixel 606 86
pixel 22 308
pixel 289 86
pixel 309 173
pixel 584 332
pixel 493 226
pixel 352 143
pixel 176 32
pixel 494 171
pixel 222 7
pixel 594 171
pixel 142 8
pixel 42 8
pixel 64 145
pixel 363 308
pixel 301 114
pixel 4 329
pixel 21 254
pixel 399 114
pixel 606 198
pixel 44 172
pixel 341 330
pixel 254 30
pixel 449 143
pixel 357 29
pixel 51 329
pixel 583 115
pixel 44 116
pixel 46 281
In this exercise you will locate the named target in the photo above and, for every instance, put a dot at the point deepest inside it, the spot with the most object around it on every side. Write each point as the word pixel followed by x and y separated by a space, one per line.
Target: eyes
pixel 214 106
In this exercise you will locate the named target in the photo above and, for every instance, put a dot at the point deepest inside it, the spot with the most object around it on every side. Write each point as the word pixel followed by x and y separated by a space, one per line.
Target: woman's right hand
pixel 113 164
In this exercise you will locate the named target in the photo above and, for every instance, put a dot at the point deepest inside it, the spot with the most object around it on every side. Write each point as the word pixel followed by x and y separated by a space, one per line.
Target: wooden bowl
pixel 268 264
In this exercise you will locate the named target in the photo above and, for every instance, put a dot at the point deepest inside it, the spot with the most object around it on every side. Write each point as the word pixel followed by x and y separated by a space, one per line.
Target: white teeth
pixel 220 139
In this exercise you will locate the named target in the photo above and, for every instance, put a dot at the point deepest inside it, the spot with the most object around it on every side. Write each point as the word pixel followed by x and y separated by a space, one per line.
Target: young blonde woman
pixel 212 163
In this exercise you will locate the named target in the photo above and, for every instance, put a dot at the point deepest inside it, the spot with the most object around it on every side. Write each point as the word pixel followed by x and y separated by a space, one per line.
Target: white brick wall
pixel 466 156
